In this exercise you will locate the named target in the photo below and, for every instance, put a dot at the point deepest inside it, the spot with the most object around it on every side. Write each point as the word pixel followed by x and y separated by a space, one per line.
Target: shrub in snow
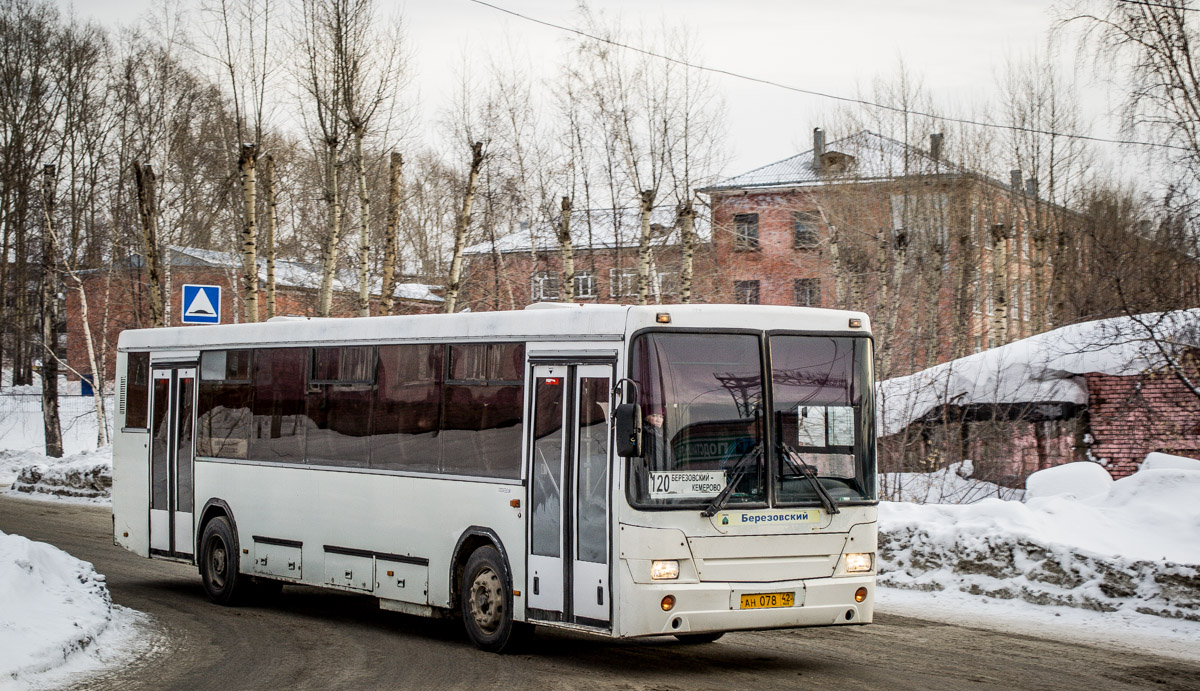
pixel 953 484
pixel 1081 480
pixel 52 606
pixel 87 475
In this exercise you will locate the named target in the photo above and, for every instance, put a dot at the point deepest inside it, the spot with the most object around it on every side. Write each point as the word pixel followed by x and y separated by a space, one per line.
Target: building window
pixel 585 284
pixel 622 282
pixel 745 232
pixel 544 286
pixel 804 229
pixel 808 292
pixel 745 292
pixel 666 283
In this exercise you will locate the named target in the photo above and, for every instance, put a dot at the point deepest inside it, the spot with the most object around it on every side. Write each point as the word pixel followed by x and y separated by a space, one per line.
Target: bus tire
pixel 696 638
pixel 219 573
pixel 486 601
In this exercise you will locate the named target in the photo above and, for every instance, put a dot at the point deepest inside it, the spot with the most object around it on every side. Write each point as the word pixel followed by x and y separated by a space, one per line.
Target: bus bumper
pixel 710 607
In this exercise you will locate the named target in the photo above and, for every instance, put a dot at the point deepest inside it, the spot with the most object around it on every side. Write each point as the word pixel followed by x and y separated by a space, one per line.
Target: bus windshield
pixel 822 407
pixel 704 424
pixel 701 397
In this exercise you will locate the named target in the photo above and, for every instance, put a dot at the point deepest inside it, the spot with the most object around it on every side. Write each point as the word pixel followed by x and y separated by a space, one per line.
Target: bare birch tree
pixel 462 223
pixel 390 238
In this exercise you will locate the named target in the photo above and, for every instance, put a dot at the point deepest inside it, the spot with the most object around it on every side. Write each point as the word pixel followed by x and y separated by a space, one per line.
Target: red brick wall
pixel 1134 415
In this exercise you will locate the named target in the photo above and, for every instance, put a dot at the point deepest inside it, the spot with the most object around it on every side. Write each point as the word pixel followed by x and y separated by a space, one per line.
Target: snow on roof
pixel 296 274
pixel 1044 368
pixel 593 229
pixel 875 157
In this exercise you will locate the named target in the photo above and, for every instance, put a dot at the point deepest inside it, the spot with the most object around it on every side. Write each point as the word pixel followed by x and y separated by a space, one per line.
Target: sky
pixel 956 48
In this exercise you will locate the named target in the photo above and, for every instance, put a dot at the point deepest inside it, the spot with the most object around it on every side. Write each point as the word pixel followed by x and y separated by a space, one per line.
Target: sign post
pixel 201 304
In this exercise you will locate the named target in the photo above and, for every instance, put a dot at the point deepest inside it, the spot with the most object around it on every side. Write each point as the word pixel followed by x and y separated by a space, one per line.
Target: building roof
pixel 595 229
pixel 873 157
pixel 1046 368
pixel 292 274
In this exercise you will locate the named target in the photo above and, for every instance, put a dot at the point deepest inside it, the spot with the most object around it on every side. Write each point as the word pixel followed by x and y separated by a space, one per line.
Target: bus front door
pixel 171 461
pixel 568 574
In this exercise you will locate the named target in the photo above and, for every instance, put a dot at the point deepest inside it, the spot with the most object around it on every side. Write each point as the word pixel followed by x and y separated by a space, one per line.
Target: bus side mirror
pixel 629 430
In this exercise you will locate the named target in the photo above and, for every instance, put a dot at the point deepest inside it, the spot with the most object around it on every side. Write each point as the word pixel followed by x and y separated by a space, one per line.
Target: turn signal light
pixel 668 603
pixel 662 318
pixel 860 594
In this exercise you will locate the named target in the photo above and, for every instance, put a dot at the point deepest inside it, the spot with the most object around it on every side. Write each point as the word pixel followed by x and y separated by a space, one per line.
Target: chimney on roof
pixel 818 147
pixel 1014 179
pixel 1031 187
pixel 935 146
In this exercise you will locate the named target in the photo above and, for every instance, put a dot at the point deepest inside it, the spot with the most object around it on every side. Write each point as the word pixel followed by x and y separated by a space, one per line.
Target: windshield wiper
pixel 739 471
pixel 808 473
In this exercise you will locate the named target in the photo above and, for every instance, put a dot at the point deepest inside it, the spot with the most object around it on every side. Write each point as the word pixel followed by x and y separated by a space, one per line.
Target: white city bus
pixel 628 471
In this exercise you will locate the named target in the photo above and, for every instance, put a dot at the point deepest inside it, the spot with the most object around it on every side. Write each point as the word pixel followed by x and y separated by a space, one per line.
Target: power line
pixel 835 97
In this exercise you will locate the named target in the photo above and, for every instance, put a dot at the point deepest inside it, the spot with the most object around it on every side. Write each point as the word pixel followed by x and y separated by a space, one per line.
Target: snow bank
pixel 1080 480
pixel 1135 547
pixel 52 606
pixel 1165 461
pixel 86 475
pixel 953 484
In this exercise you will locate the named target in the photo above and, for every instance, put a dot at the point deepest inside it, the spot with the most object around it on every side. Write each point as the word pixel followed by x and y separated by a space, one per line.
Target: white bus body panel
pixel 379 513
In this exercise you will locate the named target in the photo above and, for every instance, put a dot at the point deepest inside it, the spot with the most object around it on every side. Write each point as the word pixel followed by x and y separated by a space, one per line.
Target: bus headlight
pixel 664 570
pixel 858 562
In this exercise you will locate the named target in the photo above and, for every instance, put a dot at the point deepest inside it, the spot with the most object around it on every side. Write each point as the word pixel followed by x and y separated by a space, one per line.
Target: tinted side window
pixel 223 416
pixel 278 420
pixel 338 409
pixel 481 418
pixel 137 390
pixel 408 404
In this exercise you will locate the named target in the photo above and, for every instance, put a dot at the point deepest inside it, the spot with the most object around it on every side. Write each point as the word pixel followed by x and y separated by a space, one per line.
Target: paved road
pixel 315 639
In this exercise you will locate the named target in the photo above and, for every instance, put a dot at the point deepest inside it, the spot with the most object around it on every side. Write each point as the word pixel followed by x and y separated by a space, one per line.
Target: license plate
pixel 767 600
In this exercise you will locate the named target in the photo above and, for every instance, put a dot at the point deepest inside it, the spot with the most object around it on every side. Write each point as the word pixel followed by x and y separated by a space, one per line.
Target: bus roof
pixel 560 322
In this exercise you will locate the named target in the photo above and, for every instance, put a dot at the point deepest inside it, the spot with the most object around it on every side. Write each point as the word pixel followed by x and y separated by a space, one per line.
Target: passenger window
pixel 408 404
pixel 339 407
pixel 481 420
pixel 137 390
pixel 223 415
pixel 278 423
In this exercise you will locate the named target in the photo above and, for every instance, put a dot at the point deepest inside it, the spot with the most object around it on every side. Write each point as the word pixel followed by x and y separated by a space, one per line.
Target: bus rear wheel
pixel 486 600
pixel 699 637
pixel 223 582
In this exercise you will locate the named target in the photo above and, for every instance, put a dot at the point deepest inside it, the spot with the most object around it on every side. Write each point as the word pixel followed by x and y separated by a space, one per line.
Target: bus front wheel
pixel 223 582
pixel 486 599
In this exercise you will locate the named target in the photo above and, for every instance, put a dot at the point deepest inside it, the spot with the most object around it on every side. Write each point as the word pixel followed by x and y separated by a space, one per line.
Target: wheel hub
pixel 487 600
pixel 218 561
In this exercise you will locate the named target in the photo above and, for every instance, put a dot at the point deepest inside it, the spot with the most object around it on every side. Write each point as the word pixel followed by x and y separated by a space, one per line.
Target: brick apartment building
pixel 117 298
pixel 947 261
pixel 526 266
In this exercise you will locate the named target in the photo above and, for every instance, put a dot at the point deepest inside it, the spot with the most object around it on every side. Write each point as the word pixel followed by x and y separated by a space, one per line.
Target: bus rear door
pixel 171 408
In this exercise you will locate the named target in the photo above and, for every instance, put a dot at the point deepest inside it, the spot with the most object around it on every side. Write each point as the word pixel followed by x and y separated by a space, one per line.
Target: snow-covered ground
pixel 56 616
pixel 1082 553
